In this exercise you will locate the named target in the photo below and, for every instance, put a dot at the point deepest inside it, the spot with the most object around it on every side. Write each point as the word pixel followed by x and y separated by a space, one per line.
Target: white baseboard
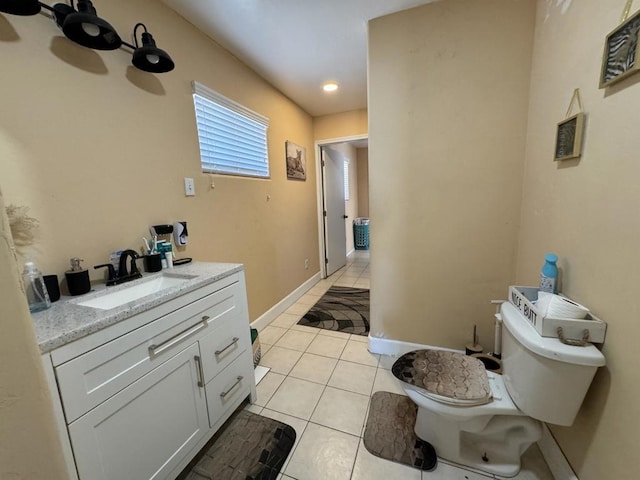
pixel 554 457
pixel 549 448
pixel 270 315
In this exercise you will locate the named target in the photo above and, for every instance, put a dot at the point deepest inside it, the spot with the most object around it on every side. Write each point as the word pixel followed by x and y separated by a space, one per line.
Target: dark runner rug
pixel 343 309
pixel 247 447
pixel 389 432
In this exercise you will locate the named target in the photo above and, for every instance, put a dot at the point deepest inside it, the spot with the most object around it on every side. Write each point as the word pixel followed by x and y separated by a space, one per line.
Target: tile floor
pixel 320 383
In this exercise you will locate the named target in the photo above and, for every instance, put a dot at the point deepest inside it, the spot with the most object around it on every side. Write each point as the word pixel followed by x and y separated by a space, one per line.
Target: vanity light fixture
pixel 84 27
pixel 20 7
pixel 330 87
pixel 148 57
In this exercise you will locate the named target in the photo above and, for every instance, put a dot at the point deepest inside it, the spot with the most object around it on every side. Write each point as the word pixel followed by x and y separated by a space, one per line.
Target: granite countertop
pixel 67 321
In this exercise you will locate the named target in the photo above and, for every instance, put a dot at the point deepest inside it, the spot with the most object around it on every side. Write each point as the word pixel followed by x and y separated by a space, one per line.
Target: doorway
pixel 343 195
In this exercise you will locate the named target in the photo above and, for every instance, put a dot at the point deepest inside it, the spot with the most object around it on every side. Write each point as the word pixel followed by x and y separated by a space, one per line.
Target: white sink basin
pixel 109 300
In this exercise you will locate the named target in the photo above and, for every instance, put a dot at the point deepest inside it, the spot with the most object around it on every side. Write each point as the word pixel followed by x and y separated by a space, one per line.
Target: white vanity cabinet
pixel 140 400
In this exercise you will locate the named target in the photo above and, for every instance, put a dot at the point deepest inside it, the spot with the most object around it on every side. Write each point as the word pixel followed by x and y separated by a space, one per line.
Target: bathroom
pixel 98 151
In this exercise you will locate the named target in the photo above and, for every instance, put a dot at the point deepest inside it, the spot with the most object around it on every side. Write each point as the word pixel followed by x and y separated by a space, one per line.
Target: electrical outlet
pixel 306 264
pixel 189 187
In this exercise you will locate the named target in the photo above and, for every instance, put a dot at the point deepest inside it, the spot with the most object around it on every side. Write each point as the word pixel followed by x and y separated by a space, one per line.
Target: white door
pixel 335 239
pixel 144 431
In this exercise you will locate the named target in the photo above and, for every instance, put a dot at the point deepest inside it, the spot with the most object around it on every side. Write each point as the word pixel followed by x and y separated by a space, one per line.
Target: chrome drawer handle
pixel 199 371
pixel 155 350
pixel 238 380
pixel 233 342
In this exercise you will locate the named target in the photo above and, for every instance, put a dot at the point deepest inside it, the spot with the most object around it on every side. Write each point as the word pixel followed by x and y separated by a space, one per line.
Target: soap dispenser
pixel 77 278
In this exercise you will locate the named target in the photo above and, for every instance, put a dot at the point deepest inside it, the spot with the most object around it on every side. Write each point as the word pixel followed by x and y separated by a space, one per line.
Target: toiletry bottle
pixel 34 286
pixel 549 274
pixel 77 278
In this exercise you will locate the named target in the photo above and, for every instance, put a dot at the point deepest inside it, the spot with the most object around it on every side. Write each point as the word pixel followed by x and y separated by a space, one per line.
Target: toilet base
pixel 490 443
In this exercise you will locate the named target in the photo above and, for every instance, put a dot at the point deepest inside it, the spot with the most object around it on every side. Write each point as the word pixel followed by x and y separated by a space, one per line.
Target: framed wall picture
pixel 569 138
pixel 296 161
pixel 620 52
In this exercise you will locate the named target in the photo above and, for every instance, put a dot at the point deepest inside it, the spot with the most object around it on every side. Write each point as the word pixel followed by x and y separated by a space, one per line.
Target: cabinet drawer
pixel 92 378
pixel 229 388
pixel 230 337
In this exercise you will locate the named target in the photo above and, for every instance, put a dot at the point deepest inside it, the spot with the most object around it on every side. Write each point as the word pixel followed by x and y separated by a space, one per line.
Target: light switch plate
pixel 189 187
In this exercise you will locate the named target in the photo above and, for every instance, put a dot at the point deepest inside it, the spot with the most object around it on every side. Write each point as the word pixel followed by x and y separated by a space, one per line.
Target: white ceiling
pixel 297 45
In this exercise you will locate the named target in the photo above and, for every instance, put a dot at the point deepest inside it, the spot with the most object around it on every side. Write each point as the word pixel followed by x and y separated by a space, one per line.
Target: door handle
pixel 199 372
pixel 345 216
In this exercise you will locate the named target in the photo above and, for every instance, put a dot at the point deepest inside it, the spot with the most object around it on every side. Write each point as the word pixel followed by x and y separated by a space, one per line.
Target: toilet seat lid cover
pixel 445 374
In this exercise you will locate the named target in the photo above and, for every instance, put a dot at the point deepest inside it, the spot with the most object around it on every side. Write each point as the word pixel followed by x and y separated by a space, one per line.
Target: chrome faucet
pixel 123 275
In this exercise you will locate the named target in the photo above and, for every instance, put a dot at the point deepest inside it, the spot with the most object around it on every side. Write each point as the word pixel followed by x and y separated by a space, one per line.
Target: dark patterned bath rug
pixel 343 309
pixel 389 432
pixel 247 447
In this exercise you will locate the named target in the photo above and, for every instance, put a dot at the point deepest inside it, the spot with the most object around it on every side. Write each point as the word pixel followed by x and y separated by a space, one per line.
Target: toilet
pixel 485 420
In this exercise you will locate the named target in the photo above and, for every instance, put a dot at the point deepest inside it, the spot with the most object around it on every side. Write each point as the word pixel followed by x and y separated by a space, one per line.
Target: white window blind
pixel 233 139
pixel 346 180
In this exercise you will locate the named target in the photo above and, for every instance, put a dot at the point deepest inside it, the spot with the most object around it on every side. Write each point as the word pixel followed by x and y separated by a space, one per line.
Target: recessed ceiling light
pixel 330 87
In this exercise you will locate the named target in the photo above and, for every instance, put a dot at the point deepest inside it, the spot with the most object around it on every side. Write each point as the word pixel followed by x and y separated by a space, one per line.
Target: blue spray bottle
pixel 549 274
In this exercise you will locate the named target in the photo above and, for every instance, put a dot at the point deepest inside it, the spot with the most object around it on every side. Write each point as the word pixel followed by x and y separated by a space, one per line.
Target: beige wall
pixel 586 211
pixel 448 86
pixel 30 449
pixel 346 124
pixel 98 150
pixel 363 181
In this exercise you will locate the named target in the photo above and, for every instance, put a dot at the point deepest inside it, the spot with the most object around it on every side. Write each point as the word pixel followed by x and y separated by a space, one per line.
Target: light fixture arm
pixel 135 32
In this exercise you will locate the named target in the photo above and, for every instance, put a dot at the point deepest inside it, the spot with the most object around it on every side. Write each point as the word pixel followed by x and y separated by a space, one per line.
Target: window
pixel 346 180
pixel 233 139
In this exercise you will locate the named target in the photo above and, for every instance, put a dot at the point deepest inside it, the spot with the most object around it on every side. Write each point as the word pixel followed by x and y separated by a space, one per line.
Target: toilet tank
pixel 545 378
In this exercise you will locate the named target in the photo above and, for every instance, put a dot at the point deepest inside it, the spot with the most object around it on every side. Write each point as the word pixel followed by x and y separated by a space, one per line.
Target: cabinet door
pixel 144 431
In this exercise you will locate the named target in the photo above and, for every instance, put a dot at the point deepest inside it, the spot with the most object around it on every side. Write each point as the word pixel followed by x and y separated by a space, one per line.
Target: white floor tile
pixel 359 338
pixel 296 397
pixel 267 387
pixel 296 340
pixel 357 352
pixel 370 467
pixel 327 346
pixel 314 368
pixel 253 408
pixel 386 382
pixel 334 333
pixel 353 377
pixel 280 360
pixel 323 454
pixel 341 410
pixel 303 328
pixel 270 334
pixel 285 320
pixel 387 361
pixel 308 299
pixel 298 309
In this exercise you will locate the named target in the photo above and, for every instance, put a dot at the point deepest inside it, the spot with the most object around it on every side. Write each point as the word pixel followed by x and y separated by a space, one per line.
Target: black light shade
pixel 20 7
pixel 150 58
pixel 85 27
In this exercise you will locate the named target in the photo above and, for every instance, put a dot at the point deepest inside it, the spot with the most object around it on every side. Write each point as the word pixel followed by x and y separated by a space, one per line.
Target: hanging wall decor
pixel 569 134
pixel 296 161
pixel 620 49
